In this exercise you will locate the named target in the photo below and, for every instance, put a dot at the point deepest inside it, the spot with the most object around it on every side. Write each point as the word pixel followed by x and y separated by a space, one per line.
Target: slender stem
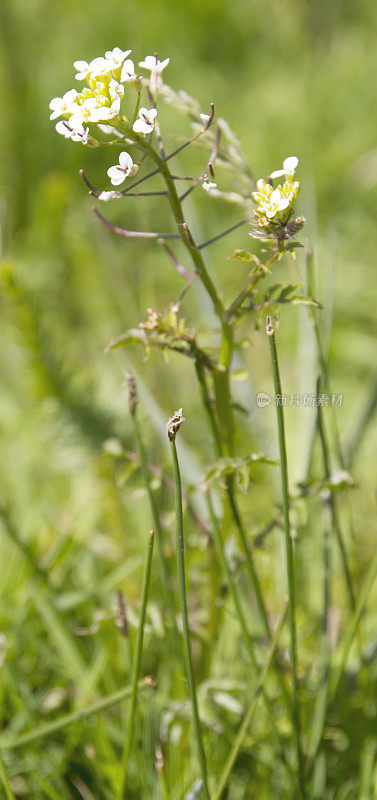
pixel 69 719
pixel 360 426
pixel 169 596
pixel 250 712
pixel 354 624
pixel 185 623
pixel 134 234
pixel 208 406
pixel 237 519
pixel 320 711
pixel 247 291
pixel 245 633
pixel 220 235
pixel 163 193
pixel 289 554
pixel 4 780
pixel 222 389
pixel 136 667
pixel 176 208
pixel 137 106
pixel 141 180
pixel 332 505
pixel 323 364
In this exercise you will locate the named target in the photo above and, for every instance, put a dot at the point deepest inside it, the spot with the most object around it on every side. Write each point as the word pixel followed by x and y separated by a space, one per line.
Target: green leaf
pixel 245 255
pixel 240 468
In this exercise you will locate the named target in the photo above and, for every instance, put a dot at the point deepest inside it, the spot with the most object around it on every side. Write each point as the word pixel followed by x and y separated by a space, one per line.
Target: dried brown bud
pixel 132 392
pixel 173 424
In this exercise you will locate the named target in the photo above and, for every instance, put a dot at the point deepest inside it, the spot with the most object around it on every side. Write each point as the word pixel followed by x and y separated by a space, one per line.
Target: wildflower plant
pixel 120 107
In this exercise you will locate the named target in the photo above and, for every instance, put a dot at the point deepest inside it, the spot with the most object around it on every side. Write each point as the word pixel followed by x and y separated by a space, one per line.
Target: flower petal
pixel 278 173
pixel 125 161
pixel 116 175
pixel 290 164
pixel 140 126
pixel 106 196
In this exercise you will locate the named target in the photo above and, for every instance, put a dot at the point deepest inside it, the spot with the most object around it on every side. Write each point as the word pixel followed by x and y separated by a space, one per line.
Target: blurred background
pixel 292 78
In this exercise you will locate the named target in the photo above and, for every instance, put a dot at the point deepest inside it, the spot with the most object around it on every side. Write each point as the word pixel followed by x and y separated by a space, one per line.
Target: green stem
pixel 137 106
pixel 69 719
pixel 245 633
pixel 4 780
pixel 176 207
pixel 320 711
pixel 249 714
pixel 222 389
pixel 289 555
pixel 249 288
pixel 169 596
pixel 332 505
pixel 354 624
pixel 323 365
pixel 136 667
pixel 185 623
pixel 208 407
pixel 241 531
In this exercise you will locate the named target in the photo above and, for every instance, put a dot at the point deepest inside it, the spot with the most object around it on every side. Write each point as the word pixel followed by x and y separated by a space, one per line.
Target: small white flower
pixel 62 105
pixel 128 74
pixel 73 129
pixel 156 67
pixel 145 123
pixel 289 168
pixel 99 66
pixel 82 70
pixel 119 172
pixel 153 64
pixel 117 56
pixel 106 196
pixel 277 203
pixel 205 118
pixel 115 89
pixel 97 109
pixel 208 185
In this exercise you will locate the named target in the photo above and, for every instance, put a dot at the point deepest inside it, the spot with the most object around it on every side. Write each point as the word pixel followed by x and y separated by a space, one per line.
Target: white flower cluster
pixel 274 206
pixel 100 101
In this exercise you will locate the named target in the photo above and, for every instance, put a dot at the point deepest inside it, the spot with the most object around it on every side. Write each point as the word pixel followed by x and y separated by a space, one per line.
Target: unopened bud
pixel 173 424
pixel 269 327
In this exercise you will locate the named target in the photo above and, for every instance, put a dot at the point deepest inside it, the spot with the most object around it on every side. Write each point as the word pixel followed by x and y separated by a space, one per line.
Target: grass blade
pixel 137 666
pixel 249 714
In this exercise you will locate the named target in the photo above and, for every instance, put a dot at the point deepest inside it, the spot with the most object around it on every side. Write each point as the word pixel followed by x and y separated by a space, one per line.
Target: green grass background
pixel 291 77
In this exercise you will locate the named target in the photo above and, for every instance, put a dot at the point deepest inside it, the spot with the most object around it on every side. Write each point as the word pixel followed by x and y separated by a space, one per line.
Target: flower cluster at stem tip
pixel 275 205
pixel 99 102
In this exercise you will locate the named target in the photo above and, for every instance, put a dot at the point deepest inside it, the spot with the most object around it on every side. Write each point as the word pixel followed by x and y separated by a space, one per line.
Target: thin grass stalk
pixel 323 365
pixel 185 623
pixel 289 554
pixel 245 633
pixel 354 624
pixel 320 711
pixel 237 744
pixel 360 426
pixel 6 785
pixel 169 596
pixel 241 531
pixel 332 505
pixel 69 719
pixel 136 667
